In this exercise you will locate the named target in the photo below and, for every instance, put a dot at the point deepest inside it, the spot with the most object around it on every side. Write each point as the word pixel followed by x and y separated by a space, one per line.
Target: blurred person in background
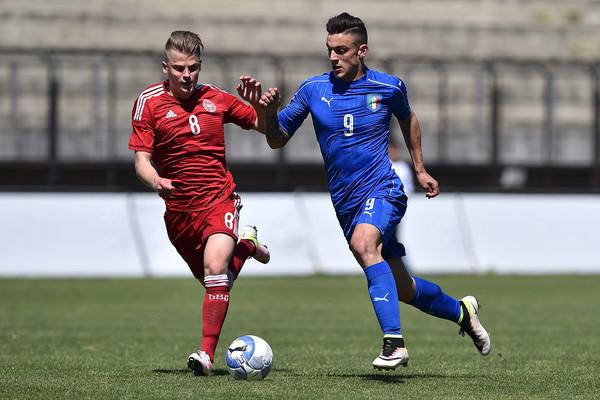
pixel 179 145
pixel 401 167
pixel 404 172
pixel 351 108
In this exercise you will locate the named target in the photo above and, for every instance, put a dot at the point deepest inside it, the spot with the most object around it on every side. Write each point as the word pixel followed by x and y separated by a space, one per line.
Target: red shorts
pixel 188 231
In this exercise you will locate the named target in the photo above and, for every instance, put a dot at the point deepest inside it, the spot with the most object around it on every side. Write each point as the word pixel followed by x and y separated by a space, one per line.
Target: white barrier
pixel 67 235
pixel 535 234
pixel 124 235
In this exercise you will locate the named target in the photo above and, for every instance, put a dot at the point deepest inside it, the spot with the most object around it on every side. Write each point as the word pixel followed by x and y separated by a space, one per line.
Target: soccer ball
pixel 249 357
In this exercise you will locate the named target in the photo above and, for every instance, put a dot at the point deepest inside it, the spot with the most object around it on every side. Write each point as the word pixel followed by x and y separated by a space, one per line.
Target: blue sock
pixel 382 289
pixel 430 298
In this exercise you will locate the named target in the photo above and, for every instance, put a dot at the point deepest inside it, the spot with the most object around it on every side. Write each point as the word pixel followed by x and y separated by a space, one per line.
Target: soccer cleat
pixel 471 325
pixel 261 254
pixel 200 363
pixel 392 354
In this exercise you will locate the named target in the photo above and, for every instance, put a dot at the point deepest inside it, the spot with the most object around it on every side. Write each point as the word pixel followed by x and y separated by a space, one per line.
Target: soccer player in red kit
pixel 179 145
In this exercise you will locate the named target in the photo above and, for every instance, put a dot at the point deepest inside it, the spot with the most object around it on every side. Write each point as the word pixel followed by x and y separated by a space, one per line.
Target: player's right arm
pixel 277 137
pixel 266 106
pixel 281 126
pixel 148 175
pixel 142 142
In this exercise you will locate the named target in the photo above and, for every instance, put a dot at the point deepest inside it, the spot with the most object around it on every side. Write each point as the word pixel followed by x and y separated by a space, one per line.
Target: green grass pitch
pixel 129 339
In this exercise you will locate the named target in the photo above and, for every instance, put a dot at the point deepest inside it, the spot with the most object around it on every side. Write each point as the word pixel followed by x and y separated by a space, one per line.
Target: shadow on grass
pixel 383 377
pixel 181 371
pixel 398 378
pixel 394 378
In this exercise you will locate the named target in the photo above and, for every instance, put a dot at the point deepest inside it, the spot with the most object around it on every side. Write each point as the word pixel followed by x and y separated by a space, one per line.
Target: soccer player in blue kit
pixel 351 108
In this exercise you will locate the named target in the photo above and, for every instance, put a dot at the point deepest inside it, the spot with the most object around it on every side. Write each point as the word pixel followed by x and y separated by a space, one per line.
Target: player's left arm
pixel 250 90
pixel 411 131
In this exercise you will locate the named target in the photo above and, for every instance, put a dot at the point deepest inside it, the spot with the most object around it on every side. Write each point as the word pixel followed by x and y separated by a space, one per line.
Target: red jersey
pixel 187 141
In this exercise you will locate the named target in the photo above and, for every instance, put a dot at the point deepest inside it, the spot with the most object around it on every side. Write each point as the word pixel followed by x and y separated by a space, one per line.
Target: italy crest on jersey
pixel 374 101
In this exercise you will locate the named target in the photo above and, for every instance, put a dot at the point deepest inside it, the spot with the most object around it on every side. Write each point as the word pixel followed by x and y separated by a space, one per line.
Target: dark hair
pixel 346 23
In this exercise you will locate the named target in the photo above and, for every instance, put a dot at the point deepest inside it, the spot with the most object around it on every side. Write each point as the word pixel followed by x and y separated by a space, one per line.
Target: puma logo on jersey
pixel 170 114
pixel 369 213
pixel 327 101
pixel 384 298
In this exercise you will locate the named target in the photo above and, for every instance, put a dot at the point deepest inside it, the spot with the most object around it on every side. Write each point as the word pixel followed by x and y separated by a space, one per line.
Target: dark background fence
pixel 488 125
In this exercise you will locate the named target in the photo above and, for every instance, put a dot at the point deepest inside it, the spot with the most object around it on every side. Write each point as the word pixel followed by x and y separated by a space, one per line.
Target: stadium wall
pixel 123 235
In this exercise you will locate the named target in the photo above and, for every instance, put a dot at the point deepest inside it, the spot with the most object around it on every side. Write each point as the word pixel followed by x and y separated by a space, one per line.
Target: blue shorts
pixel 383 209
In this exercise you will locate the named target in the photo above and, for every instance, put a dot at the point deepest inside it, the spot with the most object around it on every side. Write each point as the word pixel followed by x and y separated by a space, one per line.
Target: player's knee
pixel 364 249
pixel 214 267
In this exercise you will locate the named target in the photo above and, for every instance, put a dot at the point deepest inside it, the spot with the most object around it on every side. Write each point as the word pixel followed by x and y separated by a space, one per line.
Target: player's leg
pixel 185 232
pixel 260 251
pixel 402 259
pixel 218 251
pixel 365 244
pixel 431 299
pixel 221 255
pixel 423 294
pixel 247 247
pixel 219 237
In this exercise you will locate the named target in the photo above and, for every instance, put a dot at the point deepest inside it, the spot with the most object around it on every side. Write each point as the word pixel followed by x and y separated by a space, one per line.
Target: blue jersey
pixel 352 125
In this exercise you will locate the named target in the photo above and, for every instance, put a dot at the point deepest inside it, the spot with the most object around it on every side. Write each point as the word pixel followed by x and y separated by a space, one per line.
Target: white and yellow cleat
pixel 261 254
pixel 392 354
pixel 471 325
pixel 199 362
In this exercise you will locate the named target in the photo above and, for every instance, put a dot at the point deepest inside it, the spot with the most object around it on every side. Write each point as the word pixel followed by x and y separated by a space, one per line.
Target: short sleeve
pixel 239 112
pixel 399 104
pixel 142 134
pixel 292 116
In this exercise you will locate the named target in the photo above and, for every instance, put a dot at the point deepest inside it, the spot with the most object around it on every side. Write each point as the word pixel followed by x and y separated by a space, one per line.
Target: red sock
pixel 214 310
pixel 243 250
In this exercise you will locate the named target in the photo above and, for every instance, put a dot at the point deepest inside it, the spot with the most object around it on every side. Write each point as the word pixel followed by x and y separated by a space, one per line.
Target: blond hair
pixel 186 42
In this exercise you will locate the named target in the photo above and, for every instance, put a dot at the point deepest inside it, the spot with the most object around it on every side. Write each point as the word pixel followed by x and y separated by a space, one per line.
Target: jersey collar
pixel 340 83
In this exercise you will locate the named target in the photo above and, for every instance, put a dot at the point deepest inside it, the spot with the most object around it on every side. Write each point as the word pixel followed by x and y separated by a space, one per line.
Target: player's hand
pixel 430 185
pixel 164 187
pixel 271 100
pixel 249 89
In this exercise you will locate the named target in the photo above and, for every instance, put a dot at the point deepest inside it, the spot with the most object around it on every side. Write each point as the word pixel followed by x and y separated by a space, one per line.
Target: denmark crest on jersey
pixel 209 106
pixel 374 101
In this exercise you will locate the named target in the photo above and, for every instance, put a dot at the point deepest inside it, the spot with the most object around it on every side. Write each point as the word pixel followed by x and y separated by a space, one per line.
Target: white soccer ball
pixel 249 357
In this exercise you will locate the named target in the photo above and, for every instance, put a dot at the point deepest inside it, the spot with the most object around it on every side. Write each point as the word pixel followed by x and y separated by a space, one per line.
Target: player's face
pixel 346 56
pixel 182 73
